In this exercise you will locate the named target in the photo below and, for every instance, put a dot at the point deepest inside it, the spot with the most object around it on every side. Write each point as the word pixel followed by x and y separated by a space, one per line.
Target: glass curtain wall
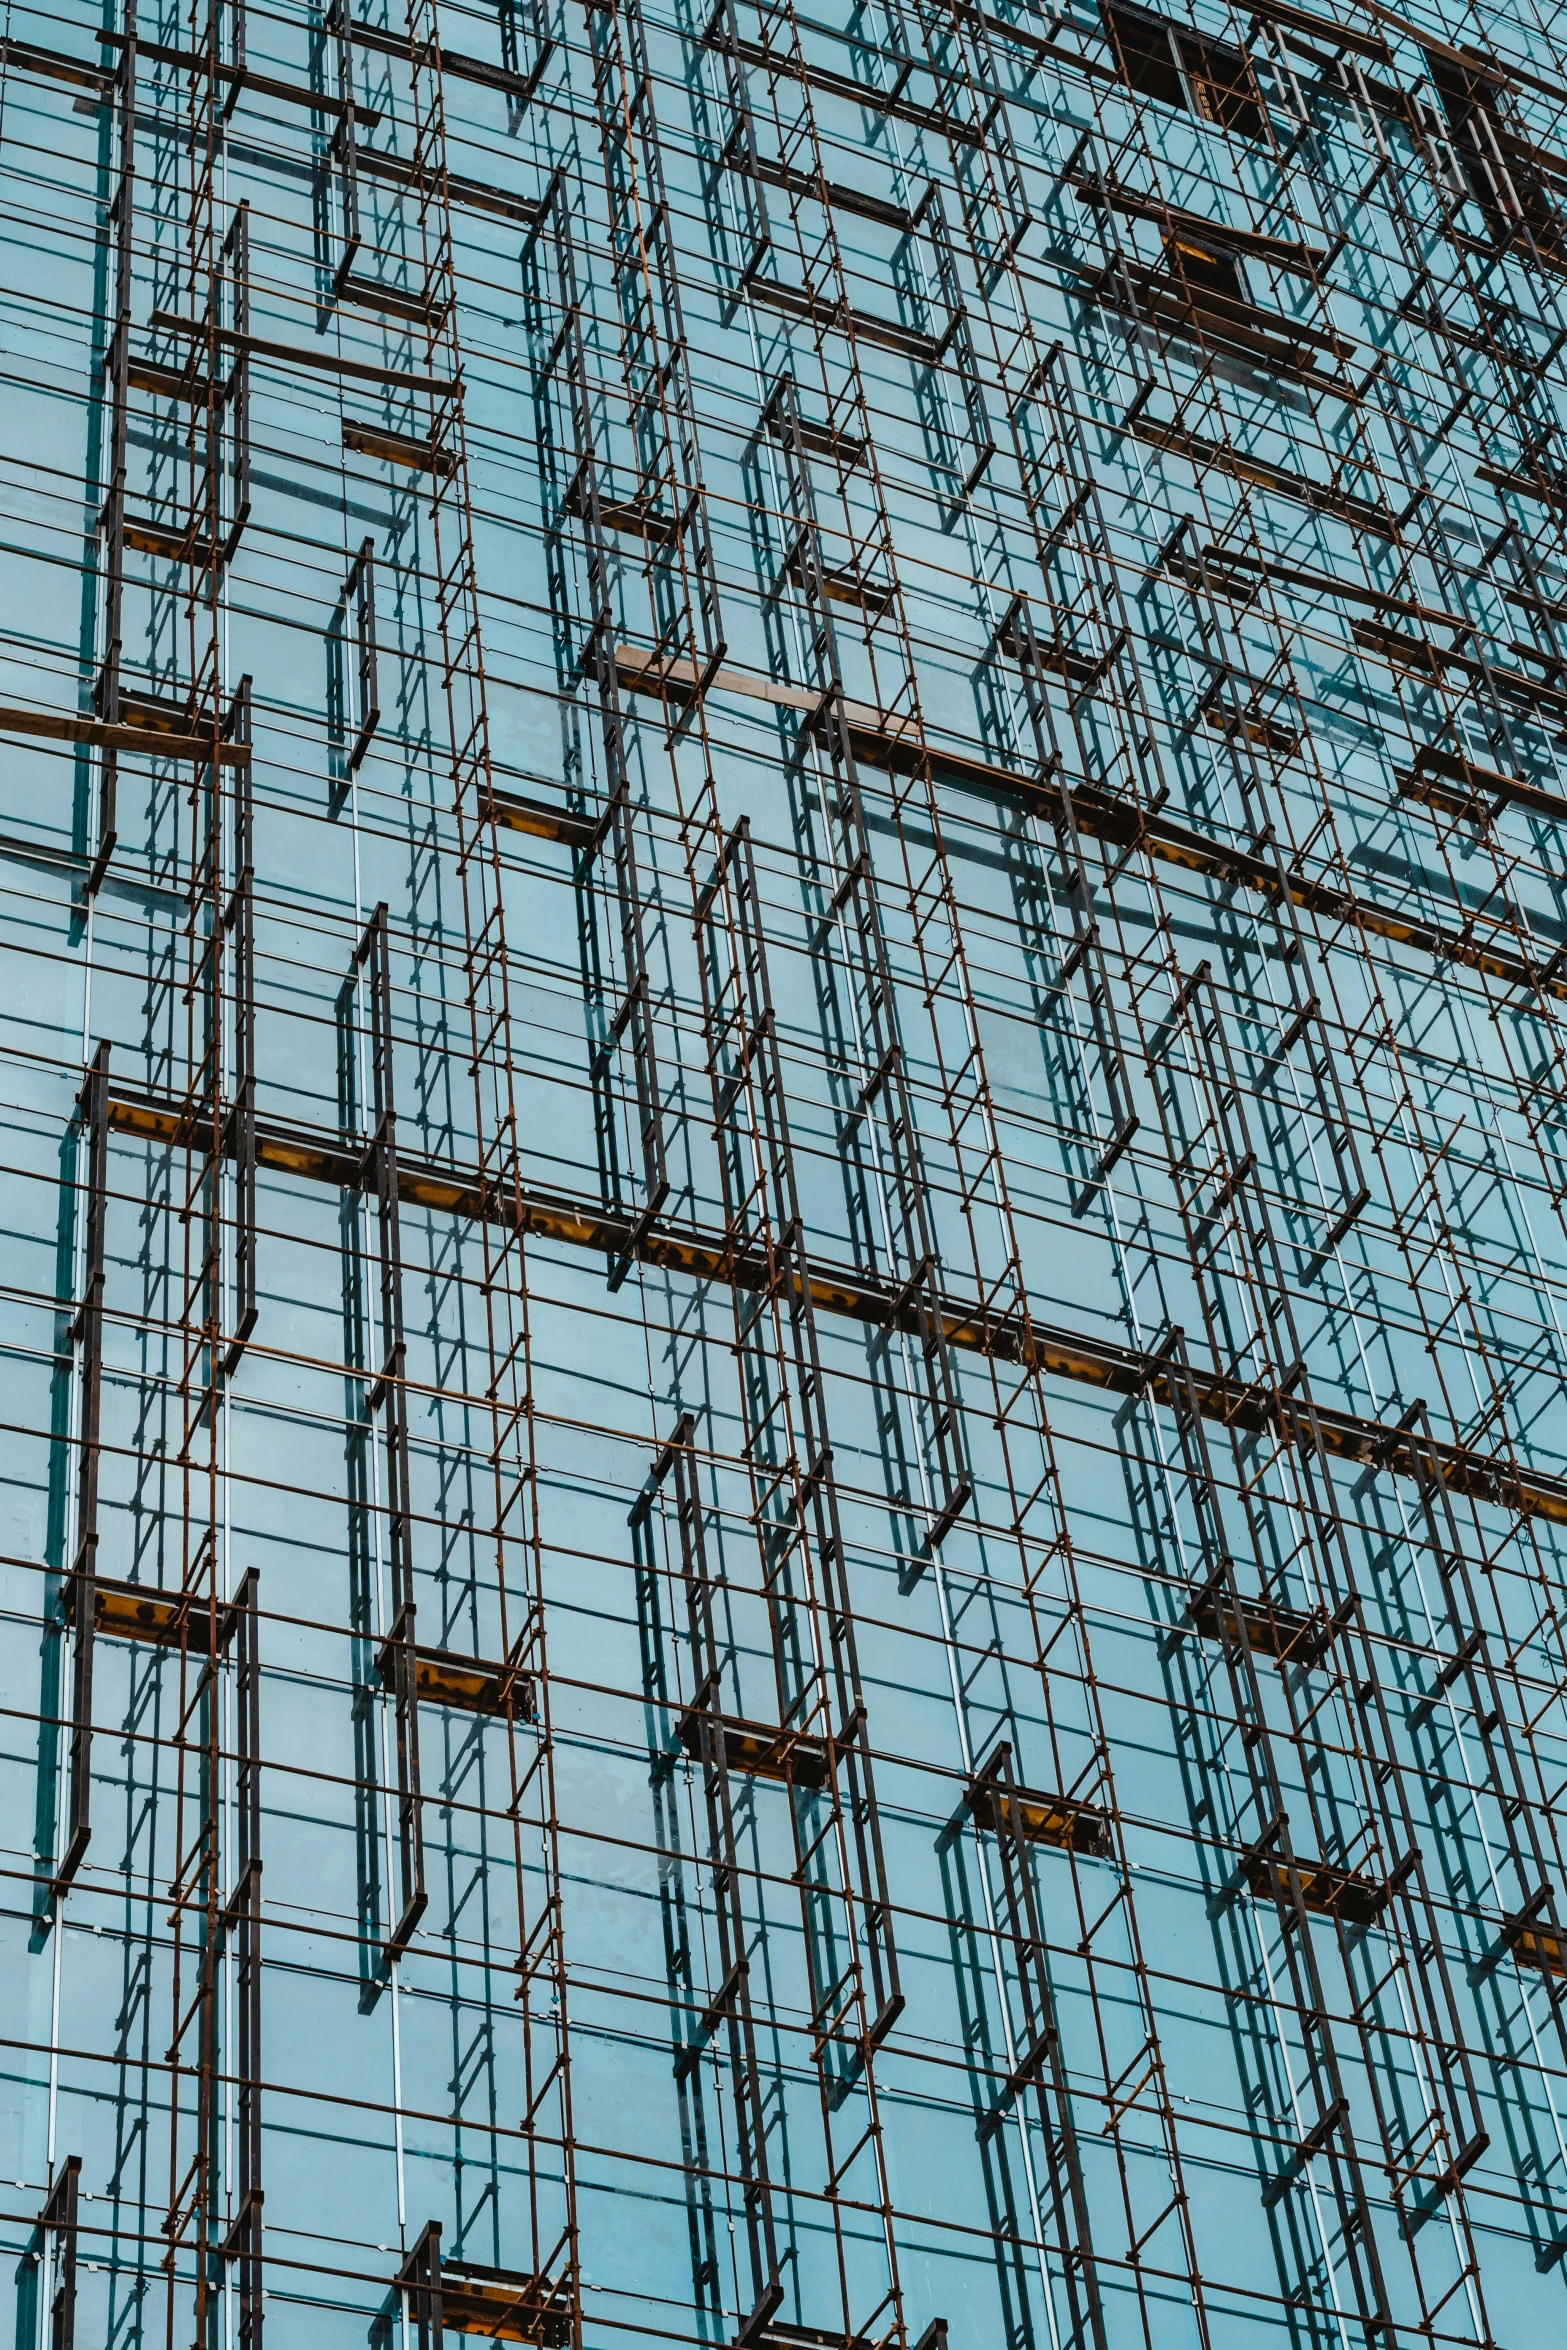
pixel 785 1174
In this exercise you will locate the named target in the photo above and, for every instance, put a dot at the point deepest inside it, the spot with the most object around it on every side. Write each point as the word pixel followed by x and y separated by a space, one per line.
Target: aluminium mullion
pixel 387 1393
pixel 732 2002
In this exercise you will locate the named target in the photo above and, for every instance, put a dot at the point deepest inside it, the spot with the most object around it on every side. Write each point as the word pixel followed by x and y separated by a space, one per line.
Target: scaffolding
pixel 789 1135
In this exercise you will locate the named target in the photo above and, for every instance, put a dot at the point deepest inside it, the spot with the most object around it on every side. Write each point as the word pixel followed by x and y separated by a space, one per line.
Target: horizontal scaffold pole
pixel 706 1255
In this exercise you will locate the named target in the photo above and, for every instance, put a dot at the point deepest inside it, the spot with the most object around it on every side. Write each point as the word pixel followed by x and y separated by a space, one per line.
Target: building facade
pixel 786 1180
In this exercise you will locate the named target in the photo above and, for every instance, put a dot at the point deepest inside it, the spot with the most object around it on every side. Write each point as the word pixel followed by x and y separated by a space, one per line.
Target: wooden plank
pixel 147 741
